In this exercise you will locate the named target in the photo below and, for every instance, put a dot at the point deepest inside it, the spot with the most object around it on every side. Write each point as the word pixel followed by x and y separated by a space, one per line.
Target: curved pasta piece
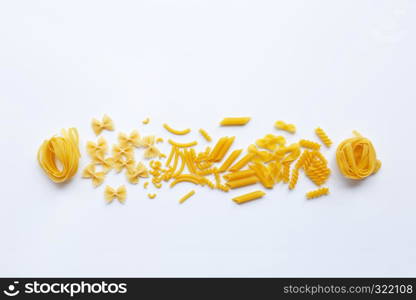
pixel 151 196
pixel 175 131
pixel 178 180
pixel 183 145
pixel 64 149
pixel 235 121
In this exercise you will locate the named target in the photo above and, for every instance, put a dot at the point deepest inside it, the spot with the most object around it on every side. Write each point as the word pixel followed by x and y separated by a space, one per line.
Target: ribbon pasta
pixel 356 157
pixel 64 149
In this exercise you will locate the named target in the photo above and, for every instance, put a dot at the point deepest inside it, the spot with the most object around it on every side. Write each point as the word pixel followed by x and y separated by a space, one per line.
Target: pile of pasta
pixel 267 162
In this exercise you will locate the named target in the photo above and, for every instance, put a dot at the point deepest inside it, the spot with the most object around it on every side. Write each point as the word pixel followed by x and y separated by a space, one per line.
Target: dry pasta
pixel 242 162
pixel 317 193
pixel 175 131
pixel 224 149
pixel 323 137
pixel 205 134
pixel 146 121
pixel 230 160
pixel 238 121
pixel 309 144
pixel 187 196
pixel 285 126
pixel 248 197
pixel 64 149
pixel 242 182
pixel 105 124
pixel 183 145
pixel 120 194
pixel 100 147
pixel 132 139
pixel 356 157
pixel 96 177
pixel 151 196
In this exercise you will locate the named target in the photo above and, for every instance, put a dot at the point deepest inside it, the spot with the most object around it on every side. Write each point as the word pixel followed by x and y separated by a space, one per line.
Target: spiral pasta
pixel 63 148
pixel 285 126
pixel 323 137
pixel 356 157
pixel 317 193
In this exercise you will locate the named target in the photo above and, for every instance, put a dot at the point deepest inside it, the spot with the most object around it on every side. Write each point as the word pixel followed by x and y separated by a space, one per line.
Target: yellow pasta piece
pixel 187 196
pixel 159 140
pixel 356 157
pixel 294 179
pixel 183 145
pixel 239 121
pixel 135 173
pixel 309 144
pixel 262 173
pixel 249 197
pixel 171 155
pixel 271 141
pixel 106 163
pixel 205 134
pixel 217 148
pixel 224 149
pixel 177 132
pixel 242 182
pixel 285 126
pixel 96 177
pixel 317 193
pixel 184 179
pixel 64 149
pixel 105 124
pixel 323 137
pixel 120 150
pixel 151 196
pixel 242 162
pixel 132 139
pixel 179 172
pixel 120 194
pixel 239 174
pixel 146 184
pixel 100 147
pixel 146 121
pixel 121 163
pixel 230 160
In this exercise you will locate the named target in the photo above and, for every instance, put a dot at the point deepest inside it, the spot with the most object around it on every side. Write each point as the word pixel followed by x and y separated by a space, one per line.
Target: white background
pixel 342 65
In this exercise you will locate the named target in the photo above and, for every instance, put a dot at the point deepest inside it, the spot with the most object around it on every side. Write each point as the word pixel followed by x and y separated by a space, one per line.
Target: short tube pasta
pixel 248 197
pixel 235 121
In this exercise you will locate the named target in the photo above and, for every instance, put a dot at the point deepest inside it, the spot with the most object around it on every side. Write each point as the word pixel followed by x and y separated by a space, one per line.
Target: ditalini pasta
pixel 285 126
pixel 356 157
pixel 120 194
pixel 175 131
pixel 238 121
pixel 105 124
pixel 205 134
pixel 317 193
pixel 187 196
pixel 323 137
pixel 249 197
pixel 64 149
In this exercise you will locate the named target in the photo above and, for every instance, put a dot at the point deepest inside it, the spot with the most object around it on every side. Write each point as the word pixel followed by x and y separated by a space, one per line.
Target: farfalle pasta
pixel 123 150
pixel 120 163
pixel 120 194
pixel 99 148
pixel 133 139
pixel 105 124
pixel 135 173
pixel 106 163
pixel 89 172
